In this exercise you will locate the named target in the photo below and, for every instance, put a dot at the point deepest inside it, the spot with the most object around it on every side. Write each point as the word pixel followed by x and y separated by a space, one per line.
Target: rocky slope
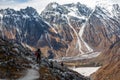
pixel 103 28
pixel 54 71
pixel 13 59
pixel 16 59
pixel 110 59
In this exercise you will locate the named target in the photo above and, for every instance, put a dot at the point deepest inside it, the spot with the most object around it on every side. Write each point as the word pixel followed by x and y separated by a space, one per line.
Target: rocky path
pixel 31 74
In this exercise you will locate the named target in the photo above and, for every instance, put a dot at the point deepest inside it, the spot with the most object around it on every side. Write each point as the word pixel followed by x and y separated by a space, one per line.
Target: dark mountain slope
pixel 111 64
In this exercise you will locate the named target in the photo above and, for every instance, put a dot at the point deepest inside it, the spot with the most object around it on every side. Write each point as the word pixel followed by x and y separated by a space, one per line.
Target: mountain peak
pixel 55 7
pixel 29 11
pixel 7 11
pixel 70 5
pixel 116 6
pixel 52 5
pixel 112 9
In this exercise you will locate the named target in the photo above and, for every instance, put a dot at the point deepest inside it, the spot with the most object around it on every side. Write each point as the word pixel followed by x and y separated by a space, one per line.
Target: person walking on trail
pixel 38 55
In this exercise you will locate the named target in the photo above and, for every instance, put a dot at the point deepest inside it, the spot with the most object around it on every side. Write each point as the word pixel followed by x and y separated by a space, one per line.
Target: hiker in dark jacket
pixel 62 64
pixel 38 55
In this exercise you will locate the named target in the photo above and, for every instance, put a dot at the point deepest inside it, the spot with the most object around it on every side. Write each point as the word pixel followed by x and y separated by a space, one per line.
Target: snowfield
pixel 86 71
pixel 81 57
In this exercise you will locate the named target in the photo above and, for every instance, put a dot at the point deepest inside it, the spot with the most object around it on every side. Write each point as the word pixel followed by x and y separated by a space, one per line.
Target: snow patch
pixel 86 71
pixel 82 31
pixel 1 25
pixel 54 6
pixel 79 42
pixel 1 16
pixel 74 12
pixel 51 27
pixel 26 16
pixel 75 15
pixel 81 57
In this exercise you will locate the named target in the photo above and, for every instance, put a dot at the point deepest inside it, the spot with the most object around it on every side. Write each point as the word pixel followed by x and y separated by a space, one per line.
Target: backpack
pixel 36 53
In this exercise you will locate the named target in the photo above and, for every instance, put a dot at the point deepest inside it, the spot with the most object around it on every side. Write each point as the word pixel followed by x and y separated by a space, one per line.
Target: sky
pixel 39 5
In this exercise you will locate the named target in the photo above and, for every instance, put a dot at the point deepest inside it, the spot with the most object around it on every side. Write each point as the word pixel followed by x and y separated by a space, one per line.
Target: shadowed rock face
pixel 24 25
pixel 111 64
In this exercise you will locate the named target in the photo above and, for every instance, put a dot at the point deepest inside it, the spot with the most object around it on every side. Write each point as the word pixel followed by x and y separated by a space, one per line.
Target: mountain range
pixel 68 31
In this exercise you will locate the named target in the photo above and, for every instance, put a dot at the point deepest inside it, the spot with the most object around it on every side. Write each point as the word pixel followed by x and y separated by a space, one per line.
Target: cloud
pixel 3 2
pixel 116 1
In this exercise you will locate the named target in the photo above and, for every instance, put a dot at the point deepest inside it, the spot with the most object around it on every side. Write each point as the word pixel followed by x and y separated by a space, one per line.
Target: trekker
pixel 38 55
pixel 62 64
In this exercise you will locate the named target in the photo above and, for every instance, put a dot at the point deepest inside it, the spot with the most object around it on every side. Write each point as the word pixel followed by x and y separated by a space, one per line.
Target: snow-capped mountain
pixel 25 25
pixel 67 30
pixel 103 28
pixel 67 21
pixel 85 29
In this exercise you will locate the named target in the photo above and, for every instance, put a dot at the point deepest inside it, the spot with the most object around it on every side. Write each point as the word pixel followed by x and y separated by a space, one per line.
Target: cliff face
pixel 111 64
